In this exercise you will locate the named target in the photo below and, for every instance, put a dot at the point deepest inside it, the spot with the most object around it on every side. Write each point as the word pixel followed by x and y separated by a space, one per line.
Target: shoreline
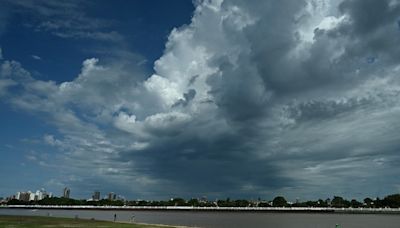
pixel 214 209
pixel 155 224
pixel 45 221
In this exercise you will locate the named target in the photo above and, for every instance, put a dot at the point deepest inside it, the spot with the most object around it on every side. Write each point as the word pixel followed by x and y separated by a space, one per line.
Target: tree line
pixel 391 201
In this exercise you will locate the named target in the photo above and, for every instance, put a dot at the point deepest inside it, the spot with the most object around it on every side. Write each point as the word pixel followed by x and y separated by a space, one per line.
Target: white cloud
pixel 14 70
pixel 126 122
pixel 166 90
pixel 35 57
pixel 49 139
pixel 167 122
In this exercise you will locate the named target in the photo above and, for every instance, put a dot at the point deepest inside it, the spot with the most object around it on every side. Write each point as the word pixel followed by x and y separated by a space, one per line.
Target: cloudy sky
pixel 218 98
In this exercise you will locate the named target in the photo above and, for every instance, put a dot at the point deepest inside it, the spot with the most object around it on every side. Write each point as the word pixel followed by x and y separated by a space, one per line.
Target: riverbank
pixel 221 209
pixel 39 222
pixel 216 219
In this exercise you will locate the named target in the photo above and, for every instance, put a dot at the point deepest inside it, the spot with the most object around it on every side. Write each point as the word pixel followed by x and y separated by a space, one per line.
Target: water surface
pixel 227 219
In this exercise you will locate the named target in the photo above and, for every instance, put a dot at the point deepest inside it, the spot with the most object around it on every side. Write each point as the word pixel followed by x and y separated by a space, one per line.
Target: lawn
pixel 42 222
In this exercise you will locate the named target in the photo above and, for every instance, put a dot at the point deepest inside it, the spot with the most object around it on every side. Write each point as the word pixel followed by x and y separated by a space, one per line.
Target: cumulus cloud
pixel 249 99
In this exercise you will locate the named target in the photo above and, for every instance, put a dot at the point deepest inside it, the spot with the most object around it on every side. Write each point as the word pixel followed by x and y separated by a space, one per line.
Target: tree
pixel 392 201
pixel 338 201
pixel 241 203
pixel 15 202
pixel 368 202
pixel 178 202
pixel 355 204
pixel 322 203
pixel 378 203
pixel 279 201
pixel 264 204
pixel 194 202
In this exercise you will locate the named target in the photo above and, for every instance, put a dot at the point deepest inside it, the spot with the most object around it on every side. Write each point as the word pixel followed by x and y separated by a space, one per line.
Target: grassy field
pixel 41 222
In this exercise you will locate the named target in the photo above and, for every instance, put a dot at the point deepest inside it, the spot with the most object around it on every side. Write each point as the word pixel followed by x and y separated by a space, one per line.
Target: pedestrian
pixel 133 218
pixel 115 217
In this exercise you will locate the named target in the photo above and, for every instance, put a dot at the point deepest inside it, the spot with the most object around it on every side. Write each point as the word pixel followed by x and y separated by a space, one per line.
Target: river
pixel 227 219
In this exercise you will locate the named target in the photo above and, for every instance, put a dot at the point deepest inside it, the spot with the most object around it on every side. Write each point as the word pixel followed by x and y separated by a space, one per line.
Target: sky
pixel 155 99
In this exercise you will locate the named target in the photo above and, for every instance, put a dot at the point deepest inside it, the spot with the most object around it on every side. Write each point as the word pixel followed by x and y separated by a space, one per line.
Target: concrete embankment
pixel 232 209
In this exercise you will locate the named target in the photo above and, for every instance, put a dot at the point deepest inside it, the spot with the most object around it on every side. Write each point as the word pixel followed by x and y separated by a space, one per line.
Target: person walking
pixel 115 217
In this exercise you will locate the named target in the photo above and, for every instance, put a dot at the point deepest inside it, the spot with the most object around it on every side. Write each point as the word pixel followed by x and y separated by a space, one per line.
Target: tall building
pixel 24 196
pixel 66 192
pixel 39 195
pixel 32 196
pixel 112 196
pixel 96 195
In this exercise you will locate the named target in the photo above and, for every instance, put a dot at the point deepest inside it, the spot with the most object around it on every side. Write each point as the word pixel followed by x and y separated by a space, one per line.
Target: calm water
pixel 227 219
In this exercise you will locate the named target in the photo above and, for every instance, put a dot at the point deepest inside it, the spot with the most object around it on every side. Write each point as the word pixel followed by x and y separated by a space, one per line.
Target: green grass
pixel 48 222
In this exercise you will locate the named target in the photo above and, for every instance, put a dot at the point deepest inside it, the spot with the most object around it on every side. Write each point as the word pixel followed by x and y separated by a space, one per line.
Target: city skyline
pixel 41 197
pixel 156 99
pixel 42 193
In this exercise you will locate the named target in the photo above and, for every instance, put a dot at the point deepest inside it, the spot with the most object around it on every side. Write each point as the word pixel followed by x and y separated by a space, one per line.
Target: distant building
pixel 66 192
pixel 96 195
pixel 112 196
pixel 39 195
pixel 17 195
pixel 24 196
pixel 32 196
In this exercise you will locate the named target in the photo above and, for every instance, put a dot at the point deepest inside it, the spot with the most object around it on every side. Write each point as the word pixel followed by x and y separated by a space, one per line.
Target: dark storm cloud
pixel 195 166
pixel 270 56
pixel 275 36
pixel 371 30
pixel 238 92
pixel 319 110
pixel 368 16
